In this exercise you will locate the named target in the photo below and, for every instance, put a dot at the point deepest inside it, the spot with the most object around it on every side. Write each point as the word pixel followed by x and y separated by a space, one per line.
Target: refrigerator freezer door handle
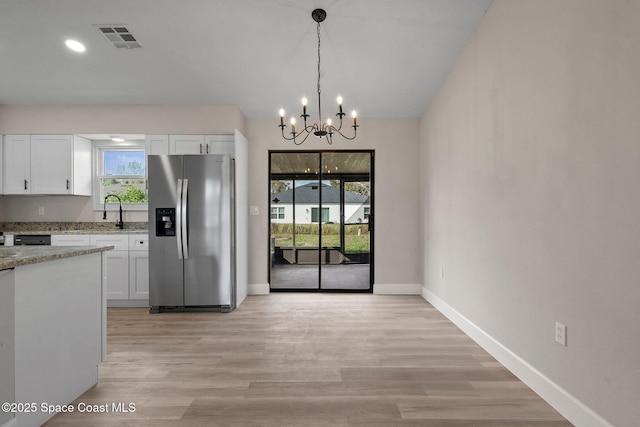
pixel 179 219
pixel 185 219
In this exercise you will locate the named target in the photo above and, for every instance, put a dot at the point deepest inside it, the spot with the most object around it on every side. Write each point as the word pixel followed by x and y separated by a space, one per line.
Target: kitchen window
pixel 120 170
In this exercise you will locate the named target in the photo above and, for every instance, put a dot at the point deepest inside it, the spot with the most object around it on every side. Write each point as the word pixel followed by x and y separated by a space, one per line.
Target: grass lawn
pixel 353 243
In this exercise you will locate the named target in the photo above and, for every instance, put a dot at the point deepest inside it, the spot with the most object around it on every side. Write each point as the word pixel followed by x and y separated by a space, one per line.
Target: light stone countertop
pixel 15 256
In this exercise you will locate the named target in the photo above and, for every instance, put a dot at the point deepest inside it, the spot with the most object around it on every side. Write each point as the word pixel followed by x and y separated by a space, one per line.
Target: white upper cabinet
pixel 156 144
pixel 47 164
pixel 17 164
pixel 187 144
pixel 220 144
pixel 201 144
pixel 51 164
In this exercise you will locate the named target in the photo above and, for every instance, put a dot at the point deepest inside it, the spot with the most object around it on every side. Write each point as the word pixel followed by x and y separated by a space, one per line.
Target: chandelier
pixel 320 129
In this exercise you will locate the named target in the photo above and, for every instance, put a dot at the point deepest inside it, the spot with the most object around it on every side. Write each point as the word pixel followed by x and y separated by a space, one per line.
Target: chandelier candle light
pixel 320 129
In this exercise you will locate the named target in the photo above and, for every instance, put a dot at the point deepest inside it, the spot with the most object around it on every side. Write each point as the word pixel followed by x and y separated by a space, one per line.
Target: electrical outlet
pixel 561 334
pixel 41 210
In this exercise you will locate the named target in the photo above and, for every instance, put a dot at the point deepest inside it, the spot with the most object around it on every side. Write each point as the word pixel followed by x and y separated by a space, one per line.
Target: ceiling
pixel 387 58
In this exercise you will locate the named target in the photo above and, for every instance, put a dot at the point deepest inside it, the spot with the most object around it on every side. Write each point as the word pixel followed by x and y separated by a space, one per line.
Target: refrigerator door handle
pixel 185 219
pixel 179 219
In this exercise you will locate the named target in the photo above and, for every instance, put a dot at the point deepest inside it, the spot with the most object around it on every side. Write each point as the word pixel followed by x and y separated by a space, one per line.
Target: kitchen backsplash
pixel 8 227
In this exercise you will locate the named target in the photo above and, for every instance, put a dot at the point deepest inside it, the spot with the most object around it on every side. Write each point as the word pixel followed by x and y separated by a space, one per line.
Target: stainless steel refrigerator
pixel 191 232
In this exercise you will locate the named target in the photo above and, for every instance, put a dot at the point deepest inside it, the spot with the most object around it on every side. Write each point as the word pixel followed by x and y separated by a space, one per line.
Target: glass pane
pixel 357 196
pixel 294 164
pixel 294 220
pixel 121 162
pixel 129 190
pixel 307 196
pixel 281 214
pixel 345 236
pixel 356 237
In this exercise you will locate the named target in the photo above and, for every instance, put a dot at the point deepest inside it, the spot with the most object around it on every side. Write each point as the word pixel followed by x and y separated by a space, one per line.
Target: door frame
pixel 320 178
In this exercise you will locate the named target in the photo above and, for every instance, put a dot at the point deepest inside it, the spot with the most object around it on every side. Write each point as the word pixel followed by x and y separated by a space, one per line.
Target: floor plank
pixel 291 359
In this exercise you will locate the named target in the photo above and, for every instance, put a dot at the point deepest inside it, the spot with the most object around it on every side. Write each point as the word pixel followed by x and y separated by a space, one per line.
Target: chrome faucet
pixel 119 224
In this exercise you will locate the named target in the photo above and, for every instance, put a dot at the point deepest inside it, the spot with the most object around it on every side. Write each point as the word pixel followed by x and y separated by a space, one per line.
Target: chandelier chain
pixel 319 112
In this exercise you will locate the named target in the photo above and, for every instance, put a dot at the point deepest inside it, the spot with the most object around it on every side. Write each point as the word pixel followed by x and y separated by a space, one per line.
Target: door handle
pixel 179 218
pixel 185 219
pixel 200 148
pixel 67 184
pixel 207 148
pixel 25 184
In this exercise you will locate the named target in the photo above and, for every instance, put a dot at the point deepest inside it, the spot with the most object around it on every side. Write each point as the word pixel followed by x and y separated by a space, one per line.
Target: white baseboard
pixel 258 289
pixel 396 289
pixel 568 405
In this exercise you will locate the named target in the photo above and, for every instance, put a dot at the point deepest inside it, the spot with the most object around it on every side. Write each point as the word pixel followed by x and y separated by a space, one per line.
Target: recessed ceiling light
pixel 117 139
pixel 75 45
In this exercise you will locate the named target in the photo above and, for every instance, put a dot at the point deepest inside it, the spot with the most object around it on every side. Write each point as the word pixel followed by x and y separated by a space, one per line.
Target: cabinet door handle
pixel 207 148
pixel 67 184
pixel 25 184
pixel 200 148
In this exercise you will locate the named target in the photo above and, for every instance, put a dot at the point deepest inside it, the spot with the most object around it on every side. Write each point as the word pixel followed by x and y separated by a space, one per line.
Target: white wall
pixel 397 237
pixel 530 195
pixel 102 119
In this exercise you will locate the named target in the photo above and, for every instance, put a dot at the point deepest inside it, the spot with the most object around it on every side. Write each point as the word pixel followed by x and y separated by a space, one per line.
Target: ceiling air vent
pixel 119 36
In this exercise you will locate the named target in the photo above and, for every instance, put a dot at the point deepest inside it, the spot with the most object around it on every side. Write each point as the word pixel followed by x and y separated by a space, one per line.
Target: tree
pixel 362 188
pixel 131 168
pixel 278 186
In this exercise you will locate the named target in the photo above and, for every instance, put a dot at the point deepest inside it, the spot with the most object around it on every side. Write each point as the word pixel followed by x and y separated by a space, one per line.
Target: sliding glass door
pixel 321 221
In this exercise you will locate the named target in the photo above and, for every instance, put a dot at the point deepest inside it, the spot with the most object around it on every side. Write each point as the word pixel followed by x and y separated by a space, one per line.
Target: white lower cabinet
pixel 127 266
pixel 117 271
pixel 117 274
pixel 139 266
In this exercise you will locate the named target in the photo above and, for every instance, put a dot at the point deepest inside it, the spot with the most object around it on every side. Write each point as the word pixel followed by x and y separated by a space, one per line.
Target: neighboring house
pixel 307 205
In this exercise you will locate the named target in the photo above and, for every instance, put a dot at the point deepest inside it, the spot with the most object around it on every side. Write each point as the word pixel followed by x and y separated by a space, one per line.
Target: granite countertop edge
pixel 16 256
pixel 95 227
pixel 72 232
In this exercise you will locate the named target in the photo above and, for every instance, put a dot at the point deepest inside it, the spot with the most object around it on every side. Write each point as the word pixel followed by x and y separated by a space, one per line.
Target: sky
pixel 114 158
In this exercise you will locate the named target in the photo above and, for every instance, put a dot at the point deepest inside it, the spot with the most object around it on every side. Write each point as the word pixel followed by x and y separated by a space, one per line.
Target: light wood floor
pixel 305 360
